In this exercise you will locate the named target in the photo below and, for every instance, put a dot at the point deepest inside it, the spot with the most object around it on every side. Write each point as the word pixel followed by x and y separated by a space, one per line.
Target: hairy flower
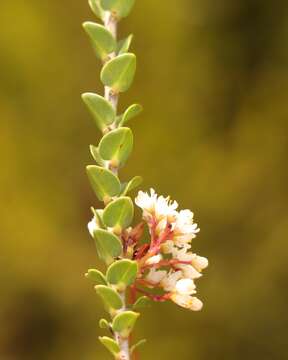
pixel 172 232
pixel 154 206
pixel 187 301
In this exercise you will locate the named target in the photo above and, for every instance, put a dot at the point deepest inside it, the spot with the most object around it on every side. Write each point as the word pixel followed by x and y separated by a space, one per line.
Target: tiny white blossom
pixel 155 276
pixel 154 259
pixel 185 287
pixel 92 226
pixel 155 206
pixel 200 263
pixel 169 281
pixel 187 301
pixel 189 271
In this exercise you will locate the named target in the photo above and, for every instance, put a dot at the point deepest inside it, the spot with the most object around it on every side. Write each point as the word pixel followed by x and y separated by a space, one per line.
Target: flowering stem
pixel 110 22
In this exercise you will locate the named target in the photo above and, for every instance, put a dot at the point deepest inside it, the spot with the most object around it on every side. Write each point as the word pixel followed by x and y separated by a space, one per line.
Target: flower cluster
pixel 168 263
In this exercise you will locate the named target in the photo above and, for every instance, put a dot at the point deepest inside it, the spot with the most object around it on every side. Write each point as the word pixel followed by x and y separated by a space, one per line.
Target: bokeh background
pixel 213 78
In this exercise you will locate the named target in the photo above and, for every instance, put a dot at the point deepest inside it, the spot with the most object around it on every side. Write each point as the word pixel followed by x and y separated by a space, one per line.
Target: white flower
pixel 185 287
pixel 154 259
pixel 155 206
pixel 200 263
pixel 189 271
pixel 187 301
pixel 93 225
pixel 155 276
pixel 169 281
pixel 184 229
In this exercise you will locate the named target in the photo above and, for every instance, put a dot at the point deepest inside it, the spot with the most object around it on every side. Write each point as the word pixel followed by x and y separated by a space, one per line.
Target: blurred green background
pixel 213 79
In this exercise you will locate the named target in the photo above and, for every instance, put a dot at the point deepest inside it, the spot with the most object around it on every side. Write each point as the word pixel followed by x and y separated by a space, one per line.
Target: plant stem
pixel 110 22
pixel 123 342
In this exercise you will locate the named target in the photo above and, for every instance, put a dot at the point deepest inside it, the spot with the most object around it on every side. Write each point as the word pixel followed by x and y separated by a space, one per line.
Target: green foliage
pixel 113 151
pixel 142 302
pixel 132 184
pixel 123 46
pixel 130 113
pixel 104 324
pixel 108 245
pixel 96 8
pixel 120 8
pixel 116 146
pixel 103 41
pixel 104 183
pixel 137 345
pixel 119 72
pixel 96 156
pixel 110 298
pixel 96 276
pixel 124 322
pixel 102 111
pixel 122 273
pixel 110 345
pixel 118 214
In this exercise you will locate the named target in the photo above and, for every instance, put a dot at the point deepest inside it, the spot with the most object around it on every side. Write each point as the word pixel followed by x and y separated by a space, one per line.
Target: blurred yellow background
pixel 213 79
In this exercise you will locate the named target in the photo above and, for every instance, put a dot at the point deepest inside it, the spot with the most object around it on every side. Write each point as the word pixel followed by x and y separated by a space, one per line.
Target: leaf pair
pixel 120 8
pixel 117 215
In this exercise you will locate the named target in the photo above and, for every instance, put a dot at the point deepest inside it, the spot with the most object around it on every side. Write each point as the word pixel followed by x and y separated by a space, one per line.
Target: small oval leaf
pixel 104 183
pixel 135 346
pixel 110 297
pixel 122 273
pixel 116 146
pixel 130 113
pixel 96 156
pixel 142 302
pixel 96 276
pixel 102 111
pixel 104 324
pixel 124 322
pixel 132 184
pixel 124 45
pixel 108 245
pixel 110 344
pixel 103 41
pixel 118 214
pixel 119 72
pixel 120 8
pixel 96 8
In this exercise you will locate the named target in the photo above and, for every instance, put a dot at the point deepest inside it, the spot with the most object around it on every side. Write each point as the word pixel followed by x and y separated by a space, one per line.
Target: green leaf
pixel 124 45
pixel 96 8
pixel 102 111
pixel 104 183
pixel 103 41
pixel 124 322
pixel 122 273
pixel 135 346
pixel 132 184
pixel 108 245
pixel 119 72
pixel 141 303
pixel 120 8
pixel 96 276
pixel 96 156
pixel 110 297
pixel 110 345
pixel 116 146
pixel 104 324
pixel 118 214
pixel 130 113
pixel 98 214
